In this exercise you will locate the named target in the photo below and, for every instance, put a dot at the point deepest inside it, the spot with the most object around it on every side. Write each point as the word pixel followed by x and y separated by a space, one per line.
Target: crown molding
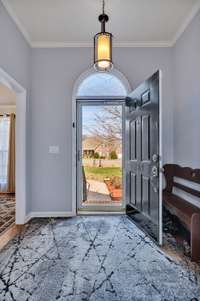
pixel 16 20
pixel 90 45
pixel 137 44
pixel 186 22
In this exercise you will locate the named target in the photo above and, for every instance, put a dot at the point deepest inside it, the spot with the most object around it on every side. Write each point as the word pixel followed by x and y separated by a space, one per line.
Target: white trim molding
pixel 186 23
pixel 77 83
pixel 20 145
pixel 123 44
pixel 19 25
pixel 150 44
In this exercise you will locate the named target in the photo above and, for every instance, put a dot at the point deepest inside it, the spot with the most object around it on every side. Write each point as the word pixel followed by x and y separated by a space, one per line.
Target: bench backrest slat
pixel 186 173
pixel 187 189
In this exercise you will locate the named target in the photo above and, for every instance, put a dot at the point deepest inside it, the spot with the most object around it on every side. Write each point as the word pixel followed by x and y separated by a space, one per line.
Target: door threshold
pixel 86 212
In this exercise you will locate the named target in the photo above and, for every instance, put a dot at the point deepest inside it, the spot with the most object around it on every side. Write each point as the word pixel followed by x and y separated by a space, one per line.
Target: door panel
pixel 143 156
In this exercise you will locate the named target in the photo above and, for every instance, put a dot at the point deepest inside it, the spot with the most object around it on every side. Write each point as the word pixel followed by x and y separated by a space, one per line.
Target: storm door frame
pixel 99 101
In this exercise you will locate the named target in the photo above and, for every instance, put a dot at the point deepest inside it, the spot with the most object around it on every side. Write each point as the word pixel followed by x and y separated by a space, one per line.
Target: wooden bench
pixel 188 214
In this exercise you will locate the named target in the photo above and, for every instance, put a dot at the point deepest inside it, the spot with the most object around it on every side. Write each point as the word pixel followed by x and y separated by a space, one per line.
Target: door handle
pixel 155 158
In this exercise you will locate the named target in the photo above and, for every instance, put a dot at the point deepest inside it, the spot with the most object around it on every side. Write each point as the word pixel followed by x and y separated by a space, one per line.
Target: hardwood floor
pixel 9 234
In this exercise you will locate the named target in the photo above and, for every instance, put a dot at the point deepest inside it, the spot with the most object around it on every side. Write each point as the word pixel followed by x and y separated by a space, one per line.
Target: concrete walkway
pixel 99 187
pixel 98 191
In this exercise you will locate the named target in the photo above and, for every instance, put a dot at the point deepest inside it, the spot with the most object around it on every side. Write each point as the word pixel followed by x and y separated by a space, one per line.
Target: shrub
pixel 96 156
pixel 113 155
pixel 117 182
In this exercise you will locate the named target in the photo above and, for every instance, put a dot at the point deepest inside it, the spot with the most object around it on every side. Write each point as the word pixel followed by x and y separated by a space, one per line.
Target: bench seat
pixel 180 208
pixel 187 213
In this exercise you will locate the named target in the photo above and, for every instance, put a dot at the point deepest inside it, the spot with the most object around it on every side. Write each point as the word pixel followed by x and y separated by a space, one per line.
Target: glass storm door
pixel 143 157
pixel 100 155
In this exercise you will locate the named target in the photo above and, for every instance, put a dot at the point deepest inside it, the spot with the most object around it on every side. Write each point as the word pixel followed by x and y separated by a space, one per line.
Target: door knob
pixel 155 158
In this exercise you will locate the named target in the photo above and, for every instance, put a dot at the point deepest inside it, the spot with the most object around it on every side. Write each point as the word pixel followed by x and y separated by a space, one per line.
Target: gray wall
pixel 15 59
pixel 186 62
pixel 54 72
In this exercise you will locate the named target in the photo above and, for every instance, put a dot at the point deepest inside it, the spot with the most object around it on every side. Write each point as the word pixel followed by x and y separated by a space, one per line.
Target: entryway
pixel 99 99
pixel 7 157
pixel 99 96
pixel 15 149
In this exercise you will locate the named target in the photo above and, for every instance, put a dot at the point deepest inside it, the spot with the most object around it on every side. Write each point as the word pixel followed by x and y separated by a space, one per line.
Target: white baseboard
pixel 47 214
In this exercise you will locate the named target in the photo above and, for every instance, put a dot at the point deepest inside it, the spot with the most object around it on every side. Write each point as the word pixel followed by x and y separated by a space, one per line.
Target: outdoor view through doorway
pixel 100 109
pixel 101 154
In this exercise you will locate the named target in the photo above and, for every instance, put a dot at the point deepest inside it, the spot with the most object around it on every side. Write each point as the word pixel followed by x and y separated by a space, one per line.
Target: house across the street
pixel 102 148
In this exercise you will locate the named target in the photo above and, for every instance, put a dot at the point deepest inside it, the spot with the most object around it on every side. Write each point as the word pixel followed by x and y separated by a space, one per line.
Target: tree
pixel 107 126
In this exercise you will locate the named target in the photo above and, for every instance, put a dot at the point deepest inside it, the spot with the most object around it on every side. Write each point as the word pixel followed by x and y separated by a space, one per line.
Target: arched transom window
pixel 102 84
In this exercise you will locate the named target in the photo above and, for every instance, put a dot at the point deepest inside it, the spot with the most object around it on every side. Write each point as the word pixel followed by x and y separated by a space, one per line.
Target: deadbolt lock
pixel 154 171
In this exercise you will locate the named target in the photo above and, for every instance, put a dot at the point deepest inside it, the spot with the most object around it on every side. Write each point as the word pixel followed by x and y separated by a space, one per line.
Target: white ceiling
pixel 7 96
pixel 74 22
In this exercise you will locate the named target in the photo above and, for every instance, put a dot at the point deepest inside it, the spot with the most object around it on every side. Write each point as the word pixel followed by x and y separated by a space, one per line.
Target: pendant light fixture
pixel 103 45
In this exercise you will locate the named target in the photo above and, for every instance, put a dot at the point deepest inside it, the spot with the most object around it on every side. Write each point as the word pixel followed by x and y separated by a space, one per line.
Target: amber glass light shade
pixel 103 51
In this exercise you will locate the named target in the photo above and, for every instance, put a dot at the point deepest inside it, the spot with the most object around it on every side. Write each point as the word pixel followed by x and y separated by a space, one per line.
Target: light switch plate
pixel 54 149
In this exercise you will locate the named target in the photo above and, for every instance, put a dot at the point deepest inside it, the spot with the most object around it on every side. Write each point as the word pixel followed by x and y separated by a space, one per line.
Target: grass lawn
pixel 100 173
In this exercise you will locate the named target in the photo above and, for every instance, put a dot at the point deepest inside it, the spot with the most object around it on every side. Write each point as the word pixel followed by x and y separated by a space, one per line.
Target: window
pixel 4 145
pixel 102 84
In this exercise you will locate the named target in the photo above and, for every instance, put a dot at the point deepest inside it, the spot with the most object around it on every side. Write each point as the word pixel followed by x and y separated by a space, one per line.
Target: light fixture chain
pixel 103 6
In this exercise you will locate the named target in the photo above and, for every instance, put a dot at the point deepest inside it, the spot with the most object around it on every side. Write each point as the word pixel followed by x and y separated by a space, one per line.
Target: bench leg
pixel 195 237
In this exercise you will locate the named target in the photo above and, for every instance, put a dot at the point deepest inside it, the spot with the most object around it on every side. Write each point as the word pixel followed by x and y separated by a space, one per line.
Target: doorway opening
pixel 12 153
pixel 7 157
pixel 100 159
pixel 100 143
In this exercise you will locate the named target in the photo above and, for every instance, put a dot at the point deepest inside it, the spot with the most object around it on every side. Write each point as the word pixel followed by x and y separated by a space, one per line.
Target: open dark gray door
pixel 143 153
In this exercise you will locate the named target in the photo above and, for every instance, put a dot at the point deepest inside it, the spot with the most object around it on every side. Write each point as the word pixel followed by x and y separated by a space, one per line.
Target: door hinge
pixel 78 155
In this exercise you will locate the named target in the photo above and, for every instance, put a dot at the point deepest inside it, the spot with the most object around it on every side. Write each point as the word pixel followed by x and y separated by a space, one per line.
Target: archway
pixel 94 86
pixel 20 92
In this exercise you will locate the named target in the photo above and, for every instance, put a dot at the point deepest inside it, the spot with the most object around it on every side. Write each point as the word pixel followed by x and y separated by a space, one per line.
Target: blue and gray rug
pixel 91 259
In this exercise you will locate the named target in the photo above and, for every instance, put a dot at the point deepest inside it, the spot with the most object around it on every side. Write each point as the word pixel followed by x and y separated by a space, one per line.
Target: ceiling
pixel 57 23
pixel 7 97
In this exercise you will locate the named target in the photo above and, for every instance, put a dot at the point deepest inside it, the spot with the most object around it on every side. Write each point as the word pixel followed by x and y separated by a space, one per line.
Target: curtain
pixel 4 146
pixel 11 156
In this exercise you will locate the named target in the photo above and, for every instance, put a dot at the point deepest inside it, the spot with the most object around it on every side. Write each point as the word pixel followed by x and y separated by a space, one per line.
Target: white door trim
pixel 78 82
pixel 160 159
pixel 21 96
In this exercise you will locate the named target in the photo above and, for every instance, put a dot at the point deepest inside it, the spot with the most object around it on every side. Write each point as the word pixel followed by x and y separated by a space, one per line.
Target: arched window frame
pixel 117 74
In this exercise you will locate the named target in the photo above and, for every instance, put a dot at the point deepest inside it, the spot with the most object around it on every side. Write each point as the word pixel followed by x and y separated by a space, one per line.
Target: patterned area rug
pixel 7 212
pixel 95 258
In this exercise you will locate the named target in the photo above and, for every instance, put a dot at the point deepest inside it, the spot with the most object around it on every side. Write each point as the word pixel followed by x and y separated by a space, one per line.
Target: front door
pixel 143 153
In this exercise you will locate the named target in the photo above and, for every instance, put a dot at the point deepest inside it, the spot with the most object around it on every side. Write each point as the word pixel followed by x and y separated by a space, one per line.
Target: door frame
pixel 21 99
pixel 77 84
pixel 160 158
pixel 100 101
